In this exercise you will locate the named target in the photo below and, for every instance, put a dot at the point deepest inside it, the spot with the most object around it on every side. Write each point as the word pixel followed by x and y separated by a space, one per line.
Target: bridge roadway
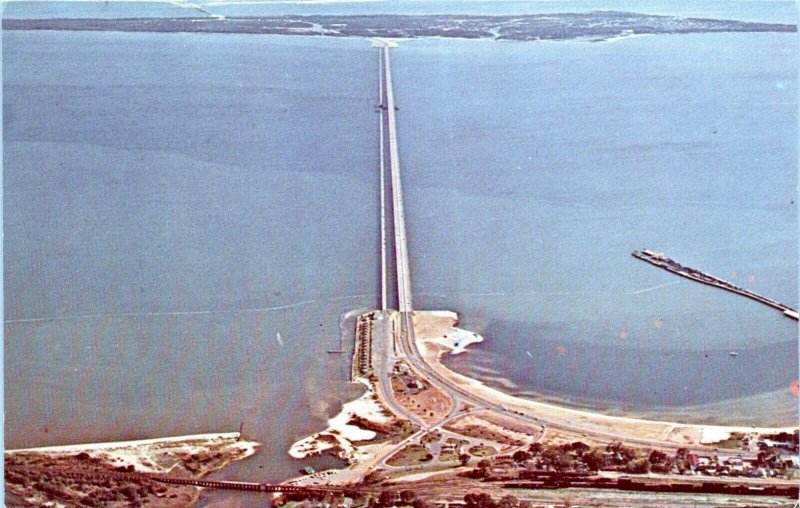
pixel 400 240
pixel 405 337
pixel 384 268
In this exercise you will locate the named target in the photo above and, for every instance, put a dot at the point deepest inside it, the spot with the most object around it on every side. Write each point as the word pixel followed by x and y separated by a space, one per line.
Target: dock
pixel 662 261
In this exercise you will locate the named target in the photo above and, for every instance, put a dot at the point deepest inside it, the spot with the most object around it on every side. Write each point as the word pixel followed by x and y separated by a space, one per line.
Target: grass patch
pixel 482 451
pixel 731 444
pixel 448 456
pixel 431 437
pixel 411 455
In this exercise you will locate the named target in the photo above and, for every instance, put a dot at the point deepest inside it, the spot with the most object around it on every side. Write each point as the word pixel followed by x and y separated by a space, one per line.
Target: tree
pixel 595 459
pixel 407 496
pixel 626 454
pixel 484 465
pixel 579 447
pixel 508 501
pixel 421 503
pixel 535 448
pixel 479 500
pixel 663 467
pixel 464 459
pixel 660 461
pixel 374 477
pixel 521 456
pixel 483 468
pixel 557 459
pixel 388 498
pixel 638 466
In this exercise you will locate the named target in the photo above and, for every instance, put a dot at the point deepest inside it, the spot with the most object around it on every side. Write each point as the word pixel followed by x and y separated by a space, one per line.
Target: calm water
pixel 174 214
pixel 166 217
pixel 538 174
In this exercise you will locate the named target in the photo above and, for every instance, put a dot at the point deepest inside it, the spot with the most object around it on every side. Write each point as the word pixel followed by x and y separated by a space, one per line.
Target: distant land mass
pixel 598 25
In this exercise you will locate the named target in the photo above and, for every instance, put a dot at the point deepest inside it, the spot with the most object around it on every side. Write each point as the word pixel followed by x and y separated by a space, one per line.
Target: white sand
pixel 457 340
pixel 77 448
pixel 714 434
pixel 151 455
pixel 340 433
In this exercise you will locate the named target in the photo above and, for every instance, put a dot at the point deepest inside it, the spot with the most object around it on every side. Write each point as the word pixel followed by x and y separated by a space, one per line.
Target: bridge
pixel 400 240
pixel 249 486
pixel 105 474
pixel 404 336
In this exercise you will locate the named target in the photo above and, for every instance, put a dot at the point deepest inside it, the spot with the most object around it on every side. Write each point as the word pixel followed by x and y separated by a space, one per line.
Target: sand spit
pixel 341 434
pixel 158 455
pixel 102 474
pixel 456 339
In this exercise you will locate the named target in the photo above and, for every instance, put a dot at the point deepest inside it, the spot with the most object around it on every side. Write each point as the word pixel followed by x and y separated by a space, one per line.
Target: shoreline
pixel 433 356
pixel 438 336
pixel 108 445
pixel 120 471
pixel 712 410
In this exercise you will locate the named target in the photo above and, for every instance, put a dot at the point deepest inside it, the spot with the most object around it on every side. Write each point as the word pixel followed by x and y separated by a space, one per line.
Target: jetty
pixel 662 261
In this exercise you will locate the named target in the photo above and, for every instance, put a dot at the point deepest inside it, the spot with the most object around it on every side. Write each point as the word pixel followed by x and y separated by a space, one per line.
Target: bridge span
pixel 400 240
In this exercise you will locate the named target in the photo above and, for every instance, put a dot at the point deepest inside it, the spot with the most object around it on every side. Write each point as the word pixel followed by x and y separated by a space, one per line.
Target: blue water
pixel 166 217
pixel 536 170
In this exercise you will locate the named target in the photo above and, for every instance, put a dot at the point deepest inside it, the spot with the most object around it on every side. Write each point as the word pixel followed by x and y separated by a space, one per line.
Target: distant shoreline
pixel 595 26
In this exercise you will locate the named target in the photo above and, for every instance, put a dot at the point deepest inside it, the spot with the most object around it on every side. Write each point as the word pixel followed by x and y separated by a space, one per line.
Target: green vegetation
pixel 456 442
pixel 431 437
pixel 734 442
pixel 483 500
pixel 448 456
pixel 411 455
pixel 482 451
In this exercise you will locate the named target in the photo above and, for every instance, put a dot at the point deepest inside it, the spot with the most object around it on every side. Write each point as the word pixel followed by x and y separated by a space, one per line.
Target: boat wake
pixel 646 290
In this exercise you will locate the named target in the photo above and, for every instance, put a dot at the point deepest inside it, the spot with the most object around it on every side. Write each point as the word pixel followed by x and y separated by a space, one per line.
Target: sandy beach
pixel 157 455
pixel 436 334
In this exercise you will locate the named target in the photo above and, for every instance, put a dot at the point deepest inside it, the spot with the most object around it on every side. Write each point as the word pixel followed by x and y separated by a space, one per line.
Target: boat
pixel 733 353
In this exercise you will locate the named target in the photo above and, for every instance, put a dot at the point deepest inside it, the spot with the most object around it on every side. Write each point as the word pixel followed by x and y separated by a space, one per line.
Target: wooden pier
pixel 660 260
